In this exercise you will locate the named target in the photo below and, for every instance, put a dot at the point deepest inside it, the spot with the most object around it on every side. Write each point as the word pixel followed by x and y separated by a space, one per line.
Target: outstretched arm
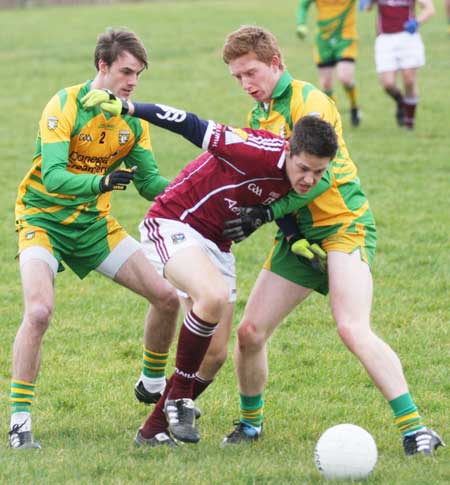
pixel 189 125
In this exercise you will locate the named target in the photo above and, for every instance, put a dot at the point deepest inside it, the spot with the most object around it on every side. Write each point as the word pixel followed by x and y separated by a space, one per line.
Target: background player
pixel 399 48
pixel 183 231
pixel 62 214
pixel 335 46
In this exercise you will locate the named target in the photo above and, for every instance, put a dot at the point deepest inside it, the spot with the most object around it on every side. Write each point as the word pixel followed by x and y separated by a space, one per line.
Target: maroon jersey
pixel 392 14
pixel 242 167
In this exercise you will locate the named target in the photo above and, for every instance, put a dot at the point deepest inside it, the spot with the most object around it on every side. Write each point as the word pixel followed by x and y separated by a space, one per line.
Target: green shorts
pixel 83 249
pixel 286 264
pixel 330 51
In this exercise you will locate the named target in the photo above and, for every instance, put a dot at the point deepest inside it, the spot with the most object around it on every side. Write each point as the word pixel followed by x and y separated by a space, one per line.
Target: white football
pixel 346 452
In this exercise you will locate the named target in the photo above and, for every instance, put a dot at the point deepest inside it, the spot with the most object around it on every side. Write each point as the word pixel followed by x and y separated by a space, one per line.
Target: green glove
pixel 107 100
pixel 312 252
pixel 302 31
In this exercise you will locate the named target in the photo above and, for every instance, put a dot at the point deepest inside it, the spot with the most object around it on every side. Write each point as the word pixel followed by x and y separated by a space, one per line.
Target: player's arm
pixel 302 14
pixel 189 125
pixel 148 181
pixel 427 10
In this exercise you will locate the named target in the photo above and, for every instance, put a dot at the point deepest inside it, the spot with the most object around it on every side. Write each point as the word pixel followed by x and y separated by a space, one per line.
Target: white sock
pixel 22 419
pixel 153 384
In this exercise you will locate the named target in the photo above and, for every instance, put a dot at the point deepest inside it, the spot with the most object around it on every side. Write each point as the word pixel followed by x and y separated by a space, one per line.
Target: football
pixel 346 452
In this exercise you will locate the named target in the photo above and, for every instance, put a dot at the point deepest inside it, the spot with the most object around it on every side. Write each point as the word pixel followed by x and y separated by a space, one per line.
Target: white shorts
pixel 399 51
pixel 162 238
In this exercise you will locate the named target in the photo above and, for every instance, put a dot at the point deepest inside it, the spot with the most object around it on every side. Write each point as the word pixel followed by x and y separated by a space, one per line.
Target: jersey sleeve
pixel 302 11
pixel 55 128
pixel 292 201
pixel 147 179
pixel 244 147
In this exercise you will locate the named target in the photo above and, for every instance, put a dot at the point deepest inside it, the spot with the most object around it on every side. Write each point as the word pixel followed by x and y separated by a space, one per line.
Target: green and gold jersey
pixel 74 149
pixel 337 201
pixel 335 18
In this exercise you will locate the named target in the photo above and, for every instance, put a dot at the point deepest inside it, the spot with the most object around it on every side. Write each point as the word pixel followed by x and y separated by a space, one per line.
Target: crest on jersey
pixel 52 122
pixel 29 235
pixel 283 132
pixel 124 136
pixel 178 237
pixel 235 135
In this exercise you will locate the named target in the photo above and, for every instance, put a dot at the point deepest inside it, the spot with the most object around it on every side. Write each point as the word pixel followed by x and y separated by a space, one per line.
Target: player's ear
pixel 102 66
pixel 276 61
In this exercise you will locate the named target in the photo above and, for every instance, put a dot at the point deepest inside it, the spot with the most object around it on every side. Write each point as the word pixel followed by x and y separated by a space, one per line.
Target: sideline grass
pixel 85 413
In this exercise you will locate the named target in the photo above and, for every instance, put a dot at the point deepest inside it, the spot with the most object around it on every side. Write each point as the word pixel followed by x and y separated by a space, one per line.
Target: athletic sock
pixel 199 386
pixel 154 370
pixel 395 93
pixel 352 94
pixel 193 342
pixel 407 418
pixel 410 105
pixel 252 408
pixel 156 422
pixel 20 397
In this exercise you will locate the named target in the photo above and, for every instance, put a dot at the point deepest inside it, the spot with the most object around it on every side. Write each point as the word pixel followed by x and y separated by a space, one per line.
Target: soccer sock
pixel 153 370
pixel 352 94
pixel 156 422
pixel 199 386
pixel 252 408
pixel 407 418
pixel 20 397
pixel 410 105
pixel 193 342
pixel 395 93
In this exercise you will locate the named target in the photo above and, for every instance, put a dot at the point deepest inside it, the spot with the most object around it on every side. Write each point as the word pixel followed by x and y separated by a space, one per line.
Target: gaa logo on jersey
pixel 29 235
pixel 52 122
pixel 178 237
pixel 283 132
pixel 124 136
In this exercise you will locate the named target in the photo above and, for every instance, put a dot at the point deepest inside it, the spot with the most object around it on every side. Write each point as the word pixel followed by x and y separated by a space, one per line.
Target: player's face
pixel 121 77
pixel 256 78
pixel 305 170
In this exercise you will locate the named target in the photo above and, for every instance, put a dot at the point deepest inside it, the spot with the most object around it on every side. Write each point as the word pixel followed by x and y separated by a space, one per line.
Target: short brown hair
pixel 114 42
pixel 315 136
pixel 250 38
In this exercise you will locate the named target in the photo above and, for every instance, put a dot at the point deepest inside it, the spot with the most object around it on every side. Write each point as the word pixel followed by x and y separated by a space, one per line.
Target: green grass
pixel 85 412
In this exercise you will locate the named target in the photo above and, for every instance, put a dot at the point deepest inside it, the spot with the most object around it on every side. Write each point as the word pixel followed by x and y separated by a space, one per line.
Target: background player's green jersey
pixel 335 18
pixel 336 204
pixel 74 149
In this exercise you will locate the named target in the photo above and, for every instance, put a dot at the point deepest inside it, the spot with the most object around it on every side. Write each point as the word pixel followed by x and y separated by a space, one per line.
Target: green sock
pixel 252 408
pixel 21 396
pixel 154 363
pixel 407 418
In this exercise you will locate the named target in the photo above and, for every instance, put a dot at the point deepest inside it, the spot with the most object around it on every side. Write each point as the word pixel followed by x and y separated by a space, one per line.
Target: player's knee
pixel 353 334
pixel 38 315
pixel 249 337
pixel 214 300
pixel 168 302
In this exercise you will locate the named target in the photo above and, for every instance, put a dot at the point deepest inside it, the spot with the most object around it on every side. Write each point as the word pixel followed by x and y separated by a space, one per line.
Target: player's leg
pixel 216 355
pixel 387 65
pixel 351 287
pixel 38 268
pixel 411 98
pixel 139 275
pixel 345 71
pixel 271 300
pixel 326 80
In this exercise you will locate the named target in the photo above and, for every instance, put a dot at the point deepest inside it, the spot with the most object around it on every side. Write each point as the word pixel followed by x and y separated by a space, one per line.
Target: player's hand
pixel 312 252
pixel 250 219
pixel 411 26
pixel 302 31
pixel 117 180
pixel 107 100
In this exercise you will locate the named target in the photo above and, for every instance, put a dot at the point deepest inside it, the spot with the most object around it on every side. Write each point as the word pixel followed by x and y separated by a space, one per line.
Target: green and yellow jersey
pixel 336 205
pixel 335 18
pixel 74 149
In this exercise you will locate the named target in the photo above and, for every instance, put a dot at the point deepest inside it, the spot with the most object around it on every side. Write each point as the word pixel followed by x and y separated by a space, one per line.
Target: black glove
pixel 117 180
pixel 250 219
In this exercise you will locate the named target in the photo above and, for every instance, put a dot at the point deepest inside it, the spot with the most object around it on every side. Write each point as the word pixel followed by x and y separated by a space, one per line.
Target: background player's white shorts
pixel 401 50
pixel 162 238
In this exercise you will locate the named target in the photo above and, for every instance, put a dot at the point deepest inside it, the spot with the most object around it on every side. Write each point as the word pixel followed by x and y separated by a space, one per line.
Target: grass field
pixel 85 413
